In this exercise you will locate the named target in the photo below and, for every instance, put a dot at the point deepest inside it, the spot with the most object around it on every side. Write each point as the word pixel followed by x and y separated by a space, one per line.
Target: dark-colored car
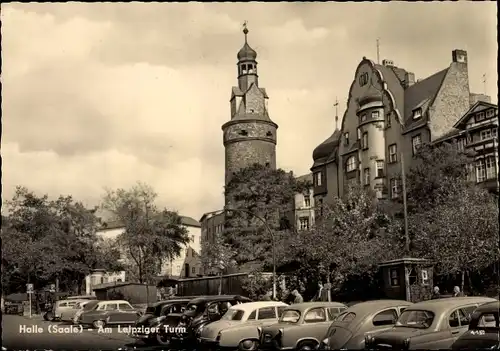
pixel 484 329
pixel 154 315
pixel 429 325
pixel 111 312
pixel 180 331
pixel 349 329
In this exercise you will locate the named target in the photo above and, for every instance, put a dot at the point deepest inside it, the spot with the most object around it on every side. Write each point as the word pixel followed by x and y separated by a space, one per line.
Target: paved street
pixel 40 334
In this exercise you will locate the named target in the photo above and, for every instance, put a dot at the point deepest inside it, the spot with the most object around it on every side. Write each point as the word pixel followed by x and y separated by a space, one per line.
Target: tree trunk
pixel 328 281
pixel 462 283
pixel 469 279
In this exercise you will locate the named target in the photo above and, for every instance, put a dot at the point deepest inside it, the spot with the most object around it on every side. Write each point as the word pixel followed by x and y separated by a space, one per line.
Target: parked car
pixel 109 312
pixel 300 327
pixel 239 324
pixel 13 308
pixel 69 314
pixel 432 324
pixel 181 330
pixel 484 329
pixel 349 329
pixel 155 313
pixel 61 307
pixel 90 305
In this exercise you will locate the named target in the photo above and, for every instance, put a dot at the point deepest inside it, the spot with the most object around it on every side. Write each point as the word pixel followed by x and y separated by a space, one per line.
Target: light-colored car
pixel 300 327
pixel 69 314
pixel 351 327
pixel 430 325
pixel 63 306
pixel 239 323
pixel 115 312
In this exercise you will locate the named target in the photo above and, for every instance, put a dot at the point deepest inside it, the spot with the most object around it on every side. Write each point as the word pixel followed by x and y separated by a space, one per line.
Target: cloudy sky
pixel 102 95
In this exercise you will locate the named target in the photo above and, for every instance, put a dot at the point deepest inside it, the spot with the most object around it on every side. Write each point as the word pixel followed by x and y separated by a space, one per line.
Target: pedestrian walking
pixel 435 293
pixel 317 297
pixel 297 297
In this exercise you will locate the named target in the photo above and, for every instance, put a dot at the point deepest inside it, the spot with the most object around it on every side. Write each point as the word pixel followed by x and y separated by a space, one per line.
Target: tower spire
pixel 245 30
pixel 336 113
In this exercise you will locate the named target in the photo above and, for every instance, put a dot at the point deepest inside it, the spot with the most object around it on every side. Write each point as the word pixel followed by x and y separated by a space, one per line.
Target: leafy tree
pixel 349 240
pixel 262 198
pixel 452 221
pixel 151 235
pixel 50 240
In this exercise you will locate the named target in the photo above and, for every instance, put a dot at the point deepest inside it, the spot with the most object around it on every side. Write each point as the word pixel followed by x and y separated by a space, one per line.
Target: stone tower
pixel 250 135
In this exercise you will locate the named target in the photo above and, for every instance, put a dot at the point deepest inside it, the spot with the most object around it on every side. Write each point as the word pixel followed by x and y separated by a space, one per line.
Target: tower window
pixel 243 132
pixel 268 164
pixel 269 134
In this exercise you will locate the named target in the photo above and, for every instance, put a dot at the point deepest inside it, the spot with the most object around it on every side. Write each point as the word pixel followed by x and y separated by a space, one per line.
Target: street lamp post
pixel 269 231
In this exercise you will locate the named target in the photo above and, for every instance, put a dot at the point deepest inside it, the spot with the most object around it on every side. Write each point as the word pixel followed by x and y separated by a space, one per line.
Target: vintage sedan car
pixel 300 327
pixel 68 315
pixel 90 305
pixel 350 328
pixel 239 324
pixel 484 329
pixel 182 330
pixel 432 324
pixel 115 312
pixel 155 313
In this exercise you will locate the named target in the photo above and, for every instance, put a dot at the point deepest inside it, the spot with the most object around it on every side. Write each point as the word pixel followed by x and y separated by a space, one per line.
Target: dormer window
pixel 490 113
pixel 346 139
pixel 417 113
pixel 363 79
pixel 375 114
pixel 480 116
pixel 243 132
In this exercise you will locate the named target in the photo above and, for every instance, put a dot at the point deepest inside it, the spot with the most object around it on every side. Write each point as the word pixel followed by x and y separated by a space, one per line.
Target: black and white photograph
pixel 250 176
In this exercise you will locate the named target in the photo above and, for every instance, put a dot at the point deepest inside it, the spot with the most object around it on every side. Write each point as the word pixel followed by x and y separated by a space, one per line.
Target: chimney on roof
pixel 459 56
pixel 387 63
pixel 409 79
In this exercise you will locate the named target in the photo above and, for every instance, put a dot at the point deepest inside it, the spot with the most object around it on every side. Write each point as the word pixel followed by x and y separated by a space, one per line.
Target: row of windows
pixel 486 169
pixel 248 68
pixel 375 115
pixel 480 116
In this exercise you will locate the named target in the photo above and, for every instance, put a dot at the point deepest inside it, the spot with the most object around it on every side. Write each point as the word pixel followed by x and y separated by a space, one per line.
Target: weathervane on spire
pixel 245 30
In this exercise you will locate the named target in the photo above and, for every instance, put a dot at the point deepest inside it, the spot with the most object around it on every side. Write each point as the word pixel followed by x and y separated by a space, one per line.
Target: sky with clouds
pixel 103 95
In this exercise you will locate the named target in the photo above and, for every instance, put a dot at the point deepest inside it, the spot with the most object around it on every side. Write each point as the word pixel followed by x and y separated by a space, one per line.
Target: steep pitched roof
pixel 422 95
pixel 477 107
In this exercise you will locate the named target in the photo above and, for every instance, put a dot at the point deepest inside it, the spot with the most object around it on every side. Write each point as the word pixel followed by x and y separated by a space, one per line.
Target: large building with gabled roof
pixel 389 116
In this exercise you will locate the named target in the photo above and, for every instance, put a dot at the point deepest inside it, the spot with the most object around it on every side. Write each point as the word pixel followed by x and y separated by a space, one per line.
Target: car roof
pixel 250 306
pixel 307 305
pixel 493 306
pixel 446 303
pixel 166 302
pixel 209 298
pixel 113 301
pixel 374 305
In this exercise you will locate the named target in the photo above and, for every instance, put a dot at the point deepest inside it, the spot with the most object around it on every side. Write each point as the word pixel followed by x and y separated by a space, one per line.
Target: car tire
pixel 307 346
pixel 254 347
pixel 99 323
pixel 49 316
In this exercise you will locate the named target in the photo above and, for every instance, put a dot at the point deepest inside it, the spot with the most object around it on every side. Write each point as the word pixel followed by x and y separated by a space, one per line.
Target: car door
pixel 126 313
pixel 382 321
pixel 267 315
pixel 315 324
pixel 111 313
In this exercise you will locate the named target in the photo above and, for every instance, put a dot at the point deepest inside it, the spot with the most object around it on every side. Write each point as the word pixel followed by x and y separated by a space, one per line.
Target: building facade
pixel 476 133
pixel 187 264
pixel 389 116
pixel 303 206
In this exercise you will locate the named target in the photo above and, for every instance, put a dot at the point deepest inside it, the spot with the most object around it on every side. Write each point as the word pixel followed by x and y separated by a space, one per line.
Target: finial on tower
pixel 245 30
pixel 336 113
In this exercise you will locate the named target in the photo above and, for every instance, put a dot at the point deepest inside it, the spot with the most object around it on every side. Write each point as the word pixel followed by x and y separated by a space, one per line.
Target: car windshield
pixel 415 319
pixel 290 316
pixel 90 305
pixel 233 315
pixel 191 308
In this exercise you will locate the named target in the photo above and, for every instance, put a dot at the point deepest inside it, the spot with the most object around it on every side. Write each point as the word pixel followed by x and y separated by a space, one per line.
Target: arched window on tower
pixel 244 69
pixel 251 68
